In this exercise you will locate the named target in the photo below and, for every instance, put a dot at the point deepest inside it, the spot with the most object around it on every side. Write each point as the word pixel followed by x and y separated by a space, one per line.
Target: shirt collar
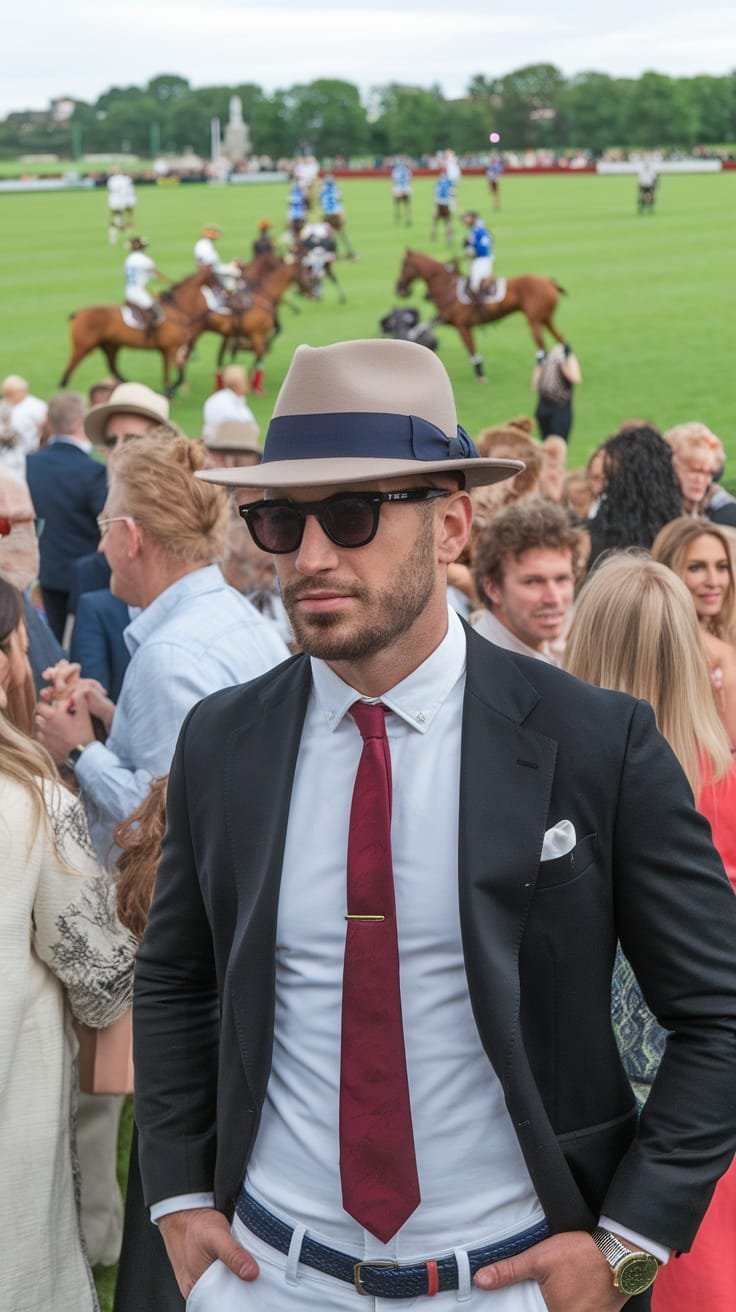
pixel 491 627
pixel 416 699
pixel 83 443
pixel 202 580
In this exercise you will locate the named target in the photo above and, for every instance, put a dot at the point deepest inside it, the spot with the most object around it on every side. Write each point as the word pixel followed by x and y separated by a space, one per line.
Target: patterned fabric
pixel 62 950
pixel 553 385
pixel 639 1037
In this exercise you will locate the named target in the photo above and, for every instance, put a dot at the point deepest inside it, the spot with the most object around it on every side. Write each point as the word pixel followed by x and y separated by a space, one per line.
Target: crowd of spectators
pixel 129 590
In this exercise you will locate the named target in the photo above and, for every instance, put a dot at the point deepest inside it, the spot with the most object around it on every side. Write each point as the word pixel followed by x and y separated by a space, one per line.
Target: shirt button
pixel 421 718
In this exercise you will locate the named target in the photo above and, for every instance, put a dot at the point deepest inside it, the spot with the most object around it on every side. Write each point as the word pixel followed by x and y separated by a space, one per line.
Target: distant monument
pixel 237 136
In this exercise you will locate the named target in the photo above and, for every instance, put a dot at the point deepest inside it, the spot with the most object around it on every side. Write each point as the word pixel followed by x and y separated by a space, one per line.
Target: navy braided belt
pixel 381 1279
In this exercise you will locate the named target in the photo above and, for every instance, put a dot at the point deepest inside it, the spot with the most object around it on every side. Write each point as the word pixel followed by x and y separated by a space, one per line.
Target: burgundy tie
pixel 378 1168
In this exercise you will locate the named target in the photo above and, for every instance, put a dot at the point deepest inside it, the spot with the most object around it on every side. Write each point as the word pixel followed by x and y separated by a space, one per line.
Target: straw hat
pixel 235 435
pixel 127 399
pixel 358 411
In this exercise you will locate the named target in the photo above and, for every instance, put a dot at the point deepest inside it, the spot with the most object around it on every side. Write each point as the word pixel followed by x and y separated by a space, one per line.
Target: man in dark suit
pixel 68 489
pixel 528 823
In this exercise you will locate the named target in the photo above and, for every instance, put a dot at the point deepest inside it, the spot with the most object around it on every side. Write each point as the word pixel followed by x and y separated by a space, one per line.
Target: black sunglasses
pixel 350 519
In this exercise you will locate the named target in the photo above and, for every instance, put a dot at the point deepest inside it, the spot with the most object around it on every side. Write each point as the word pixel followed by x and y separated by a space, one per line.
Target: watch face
pixel 636 1273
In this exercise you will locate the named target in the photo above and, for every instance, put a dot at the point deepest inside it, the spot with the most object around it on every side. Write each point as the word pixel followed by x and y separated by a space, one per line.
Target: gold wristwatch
pixel 633 1271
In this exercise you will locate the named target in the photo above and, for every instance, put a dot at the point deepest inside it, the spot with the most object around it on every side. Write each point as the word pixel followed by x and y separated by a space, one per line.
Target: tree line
pixel 534 107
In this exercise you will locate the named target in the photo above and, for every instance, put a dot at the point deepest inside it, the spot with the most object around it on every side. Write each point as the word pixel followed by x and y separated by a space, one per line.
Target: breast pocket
pixel 566 869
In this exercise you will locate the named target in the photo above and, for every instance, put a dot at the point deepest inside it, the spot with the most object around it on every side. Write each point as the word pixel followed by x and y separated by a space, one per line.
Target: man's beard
pixel 388 612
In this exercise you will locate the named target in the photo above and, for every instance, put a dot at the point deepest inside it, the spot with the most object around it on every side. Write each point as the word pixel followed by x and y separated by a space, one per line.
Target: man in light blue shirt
pixel 194 633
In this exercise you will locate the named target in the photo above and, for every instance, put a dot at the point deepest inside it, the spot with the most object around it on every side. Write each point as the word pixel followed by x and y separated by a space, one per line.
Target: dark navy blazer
pixel 68 489
pixel 97 639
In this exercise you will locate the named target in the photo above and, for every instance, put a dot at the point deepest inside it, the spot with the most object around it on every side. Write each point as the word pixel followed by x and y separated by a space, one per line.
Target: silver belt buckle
pixel 358 1273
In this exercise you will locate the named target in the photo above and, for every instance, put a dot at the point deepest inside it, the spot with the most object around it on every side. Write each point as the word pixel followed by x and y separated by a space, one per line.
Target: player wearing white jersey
pixel 120 204
pixel 206 255
pixel 139 269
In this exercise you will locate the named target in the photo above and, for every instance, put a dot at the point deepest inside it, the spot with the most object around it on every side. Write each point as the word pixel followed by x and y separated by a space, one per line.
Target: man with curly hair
pixel 526 562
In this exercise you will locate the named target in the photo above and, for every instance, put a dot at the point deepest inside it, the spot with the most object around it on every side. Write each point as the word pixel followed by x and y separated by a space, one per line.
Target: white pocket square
pixel 559 840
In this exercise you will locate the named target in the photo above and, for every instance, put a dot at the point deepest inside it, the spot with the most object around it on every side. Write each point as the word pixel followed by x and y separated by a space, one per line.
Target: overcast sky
pixel 83 47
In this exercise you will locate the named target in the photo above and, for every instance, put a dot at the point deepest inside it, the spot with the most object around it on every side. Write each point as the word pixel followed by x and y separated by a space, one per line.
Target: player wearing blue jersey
pixel 444 207
pixel 296 208
pixel 479 247
pixel 493 173
pixel 334 213
pixel 401 186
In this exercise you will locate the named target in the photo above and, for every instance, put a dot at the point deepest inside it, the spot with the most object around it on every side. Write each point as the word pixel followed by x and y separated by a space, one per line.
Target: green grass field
pixel 649 308
pixel 649 305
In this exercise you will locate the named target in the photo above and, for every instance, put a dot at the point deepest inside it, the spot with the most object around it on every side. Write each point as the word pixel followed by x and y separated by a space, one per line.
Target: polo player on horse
pixel 479 246
pixel 138 270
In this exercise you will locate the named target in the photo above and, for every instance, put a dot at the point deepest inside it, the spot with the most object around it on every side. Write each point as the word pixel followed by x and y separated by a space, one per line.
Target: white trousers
pixel 139 296
pixel 284 1286
pixel 482 267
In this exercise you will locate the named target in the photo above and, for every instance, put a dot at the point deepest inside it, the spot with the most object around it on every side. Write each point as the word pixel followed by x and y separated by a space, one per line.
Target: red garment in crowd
pixel 717 802
pixel 704 1280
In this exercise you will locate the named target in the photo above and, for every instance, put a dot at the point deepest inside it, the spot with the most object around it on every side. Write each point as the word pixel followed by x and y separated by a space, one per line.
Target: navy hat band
pixel 367 436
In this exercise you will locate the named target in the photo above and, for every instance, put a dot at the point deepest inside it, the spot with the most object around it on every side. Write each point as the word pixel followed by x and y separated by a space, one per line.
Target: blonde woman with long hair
pixel 700 553
pixel 635 630
pixel 62 951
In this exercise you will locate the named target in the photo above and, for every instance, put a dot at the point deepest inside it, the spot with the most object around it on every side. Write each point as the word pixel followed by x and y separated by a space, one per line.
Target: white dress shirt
pixel 491 628
pixel 473 1178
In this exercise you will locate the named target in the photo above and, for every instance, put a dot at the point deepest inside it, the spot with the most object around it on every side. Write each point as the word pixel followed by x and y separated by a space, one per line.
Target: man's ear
pixel 454 527
pixel 491 591
pixel 135 540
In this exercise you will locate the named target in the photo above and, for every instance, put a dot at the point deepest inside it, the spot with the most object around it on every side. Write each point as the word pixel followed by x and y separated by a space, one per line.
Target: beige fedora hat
pixel 358 411
pixel 128 399
pixel 235 435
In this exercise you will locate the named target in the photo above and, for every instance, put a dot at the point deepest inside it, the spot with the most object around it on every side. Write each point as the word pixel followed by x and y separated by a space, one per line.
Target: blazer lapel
pixel 505 785
pixel 258 777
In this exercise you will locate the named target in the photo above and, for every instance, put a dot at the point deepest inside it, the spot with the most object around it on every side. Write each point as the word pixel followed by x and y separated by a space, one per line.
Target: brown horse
pixel 254 328
pixel 185 315
pixel 535 297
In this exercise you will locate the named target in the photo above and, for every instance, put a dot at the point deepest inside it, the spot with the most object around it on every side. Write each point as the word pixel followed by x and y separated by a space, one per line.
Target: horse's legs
pixel 221 353
pixel 350 253
pixel 78 354
pixel 476 359
pixel 259 344
pixel 340 293
pixel 172 356
pixel 550 326
pixel 110 353
pixel 535 326
pixel 407 208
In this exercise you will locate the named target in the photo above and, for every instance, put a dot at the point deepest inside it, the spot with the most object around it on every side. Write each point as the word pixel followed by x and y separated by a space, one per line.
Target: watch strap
pixel 75 754
pixel 611 1247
